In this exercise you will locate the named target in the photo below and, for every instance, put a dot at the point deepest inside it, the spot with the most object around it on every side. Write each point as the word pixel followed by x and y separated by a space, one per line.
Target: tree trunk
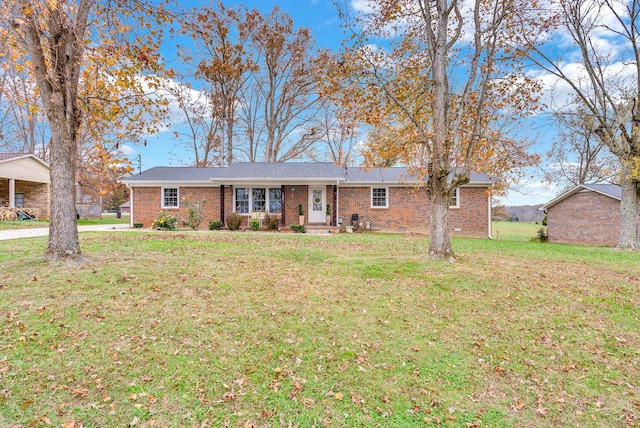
pixel 63 231
pixel 440 243
pixel 629 210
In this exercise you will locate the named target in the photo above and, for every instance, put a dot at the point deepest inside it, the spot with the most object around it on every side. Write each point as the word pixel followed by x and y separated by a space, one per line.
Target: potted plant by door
pixel 328 217
pixel 300 215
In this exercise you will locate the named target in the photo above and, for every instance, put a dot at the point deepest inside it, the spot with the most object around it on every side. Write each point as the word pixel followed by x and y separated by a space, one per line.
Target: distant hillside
pixel 526 213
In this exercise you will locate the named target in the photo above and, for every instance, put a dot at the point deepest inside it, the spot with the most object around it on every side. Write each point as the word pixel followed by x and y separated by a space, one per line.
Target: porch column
pixel 222 203
pixel 335 205
pixel 12 193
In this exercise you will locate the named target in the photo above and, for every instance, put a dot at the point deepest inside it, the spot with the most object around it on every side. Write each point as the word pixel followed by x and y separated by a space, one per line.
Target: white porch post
pixel 12 193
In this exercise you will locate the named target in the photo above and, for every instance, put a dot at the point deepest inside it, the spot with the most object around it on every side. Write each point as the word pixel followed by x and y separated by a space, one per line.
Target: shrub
pixel 541 236
pixel 215 225
pixel 234 220
pixel 297 228
pixel 164 221
pixel 137 225
pixel 254 224
pixel 544 220
pixel 272 222
pixel 300 210
pixel 195 214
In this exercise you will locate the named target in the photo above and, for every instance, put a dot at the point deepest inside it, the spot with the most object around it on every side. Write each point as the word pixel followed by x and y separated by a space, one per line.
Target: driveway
pixel 44 231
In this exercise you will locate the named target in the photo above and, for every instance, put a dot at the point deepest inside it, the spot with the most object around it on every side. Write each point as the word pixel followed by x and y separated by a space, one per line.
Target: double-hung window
pixel 242 201
pixel 169 197
pixel 454 200
pixel 259 200
pixel 379 197
pixel 275 200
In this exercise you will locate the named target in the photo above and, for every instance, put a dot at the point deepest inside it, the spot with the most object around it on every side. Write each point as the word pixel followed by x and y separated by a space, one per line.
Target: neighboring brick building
pixel 24 184
pixel 588 214
pixel 385 199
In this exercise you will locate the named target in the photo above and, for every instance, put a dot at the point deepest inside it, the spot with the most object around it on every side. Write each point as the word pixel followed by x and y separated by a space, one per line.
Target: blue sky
pixel 322 18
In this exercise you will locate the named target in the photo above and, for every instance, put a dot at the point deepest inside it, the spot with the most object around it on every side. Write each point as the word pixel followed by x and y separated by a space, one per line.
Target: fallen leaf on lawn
pixel 338 396
pixel 80 392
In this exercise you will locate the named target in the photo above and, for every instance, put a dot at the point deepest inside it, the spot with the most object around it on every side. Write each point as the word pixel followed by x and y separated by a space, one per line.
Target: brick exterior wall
pixel 147 203
pixel 408 207
pixel 36 196
pixel 585 218
pixel 409 210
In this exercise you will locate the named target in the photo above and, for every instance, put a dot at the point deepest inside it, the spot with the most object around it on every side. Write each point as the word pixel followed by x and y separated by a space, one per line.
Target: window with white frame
pixel 170 197
pixel 454 200
pixel 275 200
pixel 379 197
pixel 242 200
pixel 249 199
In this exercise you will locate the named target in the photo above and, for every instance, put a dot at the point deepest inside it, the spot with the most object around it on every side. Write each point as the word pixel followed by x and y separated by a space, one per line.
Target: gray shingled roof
pixel 284 170
pixel 176 173
pixel 275 171
pixel 612 190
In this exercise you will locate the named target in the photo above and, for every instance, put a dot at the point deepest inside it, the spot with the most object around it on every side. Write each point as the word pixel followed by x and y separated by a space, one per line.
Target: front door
pixel 317 204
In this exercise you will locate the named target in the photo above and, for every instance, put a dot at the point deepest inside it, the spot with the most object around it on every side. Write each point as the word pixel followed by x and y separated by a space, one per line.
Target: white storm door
pixel 317 204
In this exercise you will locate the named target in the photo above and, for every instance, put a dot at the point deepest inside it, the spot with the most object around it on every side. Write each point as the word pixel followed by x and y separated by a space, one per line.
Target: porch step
pixel 317 229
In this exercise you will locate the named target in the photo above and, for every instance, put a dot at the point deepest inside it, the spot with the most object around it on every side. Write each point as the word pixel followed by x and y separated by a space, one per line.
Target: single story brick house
pixel 383 198
pixel 588 214
pixel 24 183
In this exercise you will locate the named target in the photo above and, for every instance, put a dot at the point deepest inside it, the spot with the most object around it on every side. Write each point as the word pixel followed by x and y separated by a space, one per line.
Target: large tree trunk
pixel 440 243
pixel 629 210
pixel 63 231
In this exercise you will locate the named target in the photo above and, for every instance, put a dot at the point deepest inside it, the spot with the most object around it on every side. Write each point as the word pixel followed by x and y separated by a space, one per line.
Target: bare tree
pixel 221 35
pixel 578 155
pixel 606 34
pixel 338 137
pixel 281 114
pixel 202 138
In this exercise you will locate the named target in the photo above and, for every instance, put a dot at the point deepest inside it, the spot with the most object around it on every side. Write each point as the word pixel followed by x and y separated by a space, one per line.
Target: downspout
pixel 337 202
pixel 489 216
pixel 130 205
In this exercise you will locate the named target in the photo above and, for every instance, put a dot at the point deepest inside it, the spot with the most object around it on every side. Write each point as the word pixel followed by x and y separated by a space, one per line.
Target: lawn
pixel 514 231
pixel 265 329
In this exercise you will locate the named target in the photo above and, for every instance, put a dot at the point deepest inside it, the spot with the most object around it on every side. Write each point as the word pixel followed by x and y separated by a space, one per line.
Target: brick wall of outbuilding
pixel 585 218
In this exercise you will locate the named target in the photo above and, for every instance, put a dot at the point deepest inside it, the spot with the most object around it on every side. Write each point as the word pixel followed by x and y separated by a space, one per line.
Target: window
pixel 258 199
pixel 275 200
pixel 19 200
pixel 379 197
pixel 170 197
pixel 242 201
pixel 455 198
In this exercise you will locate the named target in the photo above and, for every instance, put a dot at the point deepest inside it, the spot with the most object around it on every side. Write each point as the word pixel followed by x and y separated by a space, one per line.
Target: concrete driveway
pixel 44 231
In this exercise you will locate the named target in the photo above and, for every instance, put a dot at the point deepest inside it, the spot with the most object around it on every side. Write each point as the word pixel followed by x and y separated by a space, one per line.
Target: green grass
pixel 514 231
pixel 248 329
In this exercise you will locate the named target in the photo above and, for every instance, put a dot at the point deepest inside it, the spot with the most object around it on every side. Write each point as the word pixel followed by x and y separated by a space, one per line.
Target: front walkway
pixel 44 231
